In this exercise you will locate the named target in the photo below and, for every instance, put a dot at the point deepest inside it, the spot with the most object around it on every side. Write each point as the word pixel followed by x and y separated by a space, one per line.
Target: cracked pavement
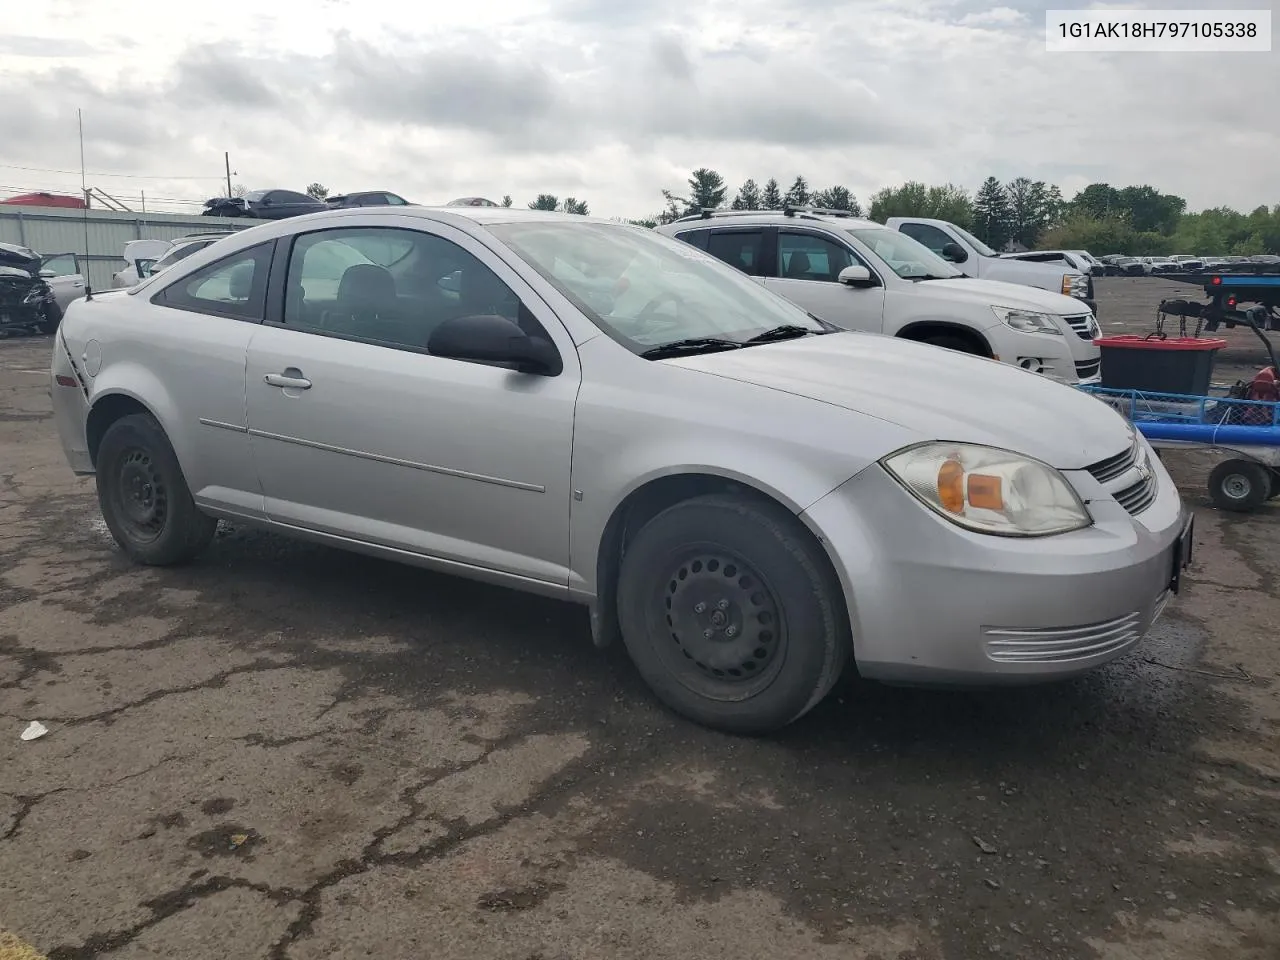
pixel 283 751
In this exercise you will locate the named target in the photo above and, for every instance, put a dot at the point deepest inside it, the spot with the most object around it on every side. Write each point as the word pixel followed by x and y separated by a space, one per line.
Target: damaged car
pixel 264 205
pixel 27 302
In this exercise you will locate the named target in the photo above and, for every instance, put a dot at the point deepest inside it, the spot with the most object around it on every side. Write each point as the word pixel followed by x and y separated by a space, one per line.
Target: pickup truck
pixel 978 260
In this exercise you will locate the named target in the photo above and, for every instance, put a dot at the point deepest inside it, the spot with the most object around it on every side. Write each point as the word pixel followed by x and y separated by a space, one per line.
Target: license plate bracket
pixel 1182 552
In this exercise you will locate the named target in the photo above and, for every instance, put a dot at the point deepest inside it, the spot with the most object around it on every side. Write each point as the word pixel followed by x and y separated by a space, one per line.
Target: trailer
pixel 1229 295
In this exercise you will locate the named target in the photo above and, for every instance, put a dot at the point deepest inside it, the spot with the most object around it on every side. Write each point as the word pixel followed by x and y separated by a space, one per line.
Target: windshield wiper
pixel 930 276
pixel 689 345
pixel 788 331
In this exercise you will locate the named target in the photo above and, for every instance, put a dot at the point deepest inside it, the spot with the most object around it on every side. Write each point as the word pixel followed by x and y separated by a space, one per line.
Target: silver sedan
pixel 747 497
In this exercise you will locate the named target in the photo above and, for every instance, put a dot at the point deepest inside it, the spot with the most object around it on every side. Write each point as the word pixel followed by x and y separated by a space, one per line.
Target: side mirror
pixel 494 339
pixel 954 252
pixel 47 274
pixel 856 276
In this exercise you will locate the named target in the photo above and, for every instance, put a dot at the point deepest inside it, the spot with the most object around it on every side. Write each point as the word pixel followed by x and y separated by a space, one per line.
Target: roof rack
pixel 787 210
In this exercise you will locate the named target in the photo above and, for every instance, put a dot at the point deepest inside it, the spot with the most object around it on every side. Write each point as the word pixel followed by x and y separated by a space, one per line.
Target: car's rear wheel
pixel 732 614
pixel 144 496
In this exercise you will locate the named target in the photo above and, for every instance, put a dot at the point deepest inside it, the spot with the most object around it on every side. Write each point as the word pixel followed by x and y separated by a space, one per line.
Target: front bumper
pixel 1059 358
pixel 930 602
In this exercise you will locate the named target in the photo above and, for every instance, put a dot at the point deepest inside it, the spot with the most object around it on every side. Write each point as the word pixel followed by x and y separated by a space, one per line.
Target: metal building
pixel 54 230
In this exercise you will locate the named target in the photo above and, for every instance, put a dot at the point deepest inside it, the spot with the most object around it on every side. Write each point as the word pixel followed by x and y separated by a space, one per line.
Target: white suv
pixel 860 275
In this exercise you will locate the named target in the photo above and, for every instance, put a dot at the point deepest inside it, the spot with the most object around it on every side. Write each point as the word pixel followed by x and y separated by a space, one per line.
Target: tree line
pixel 1137 220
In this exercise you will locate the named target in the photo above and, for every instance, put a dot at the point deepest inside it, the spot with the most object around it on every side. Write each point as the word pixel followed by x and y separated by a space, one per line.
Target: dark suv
pixel 368 198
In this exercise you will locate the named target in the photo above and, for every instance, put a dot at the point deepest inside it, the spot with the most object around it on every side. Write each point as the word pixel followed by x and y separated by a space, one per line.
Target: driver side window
pixel 927 234
pixel 391 287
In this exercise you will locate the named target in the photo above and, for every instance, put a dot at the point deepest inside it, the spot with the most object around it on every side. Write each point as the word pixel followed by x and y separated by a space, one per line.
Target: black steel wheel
pixel 732 614
pixel 1239 485
pixel 144 496
pixel 728 636
pixel 143 499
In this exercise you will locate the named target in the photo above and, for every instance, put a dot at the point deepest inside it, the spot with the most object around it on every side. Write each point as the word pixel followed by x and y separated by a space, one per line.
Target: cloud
pixel 995 17
pixel 614 102
pixel 19 45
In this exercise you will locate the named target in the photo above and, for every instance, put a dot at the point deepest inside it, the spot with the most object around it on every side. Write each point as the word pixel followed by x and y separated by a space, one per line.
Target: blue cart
pixel 1248 431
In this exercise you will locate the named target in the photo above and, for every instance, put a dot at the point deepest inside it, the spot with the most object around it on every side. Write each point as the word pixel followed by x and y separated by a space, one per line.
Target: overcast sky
pixel 613 100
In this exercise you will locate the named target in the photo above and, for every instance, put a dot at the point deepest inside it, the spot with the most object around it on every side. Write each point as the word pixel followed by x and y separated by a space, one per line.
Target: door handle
pixel 281 380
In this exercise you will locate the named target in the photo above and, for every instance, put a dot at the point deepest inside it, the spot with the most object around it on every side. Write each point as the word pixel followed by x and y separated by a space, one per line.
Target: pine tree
pixel 748 197
pixel 798 195
pixel 992 214
pixel 772 198
pixel 837 198
pixel 706 190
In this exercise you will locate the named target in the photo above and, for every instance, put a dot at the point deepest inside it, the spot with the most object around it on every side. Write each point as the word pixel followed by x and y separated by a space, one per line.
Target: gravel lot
pixel 289 752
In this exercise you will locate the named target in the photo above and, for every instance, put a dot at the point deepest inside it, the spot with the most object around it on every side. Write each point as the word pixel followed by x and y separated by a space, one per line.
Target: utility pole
pixel 226 156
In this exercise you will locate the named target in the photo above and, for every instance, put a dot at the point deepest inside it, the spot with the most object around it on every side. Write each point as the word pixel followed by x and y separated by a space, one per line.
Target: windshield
pixel 978 245
pixel 646 289
pixel 906 257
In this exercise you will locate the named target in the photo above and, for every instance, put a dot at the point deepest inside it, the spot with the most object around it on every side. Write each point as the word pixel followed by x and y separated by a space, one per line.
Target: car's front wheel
pixel 144 496
pixel 52 317
pixel 732 614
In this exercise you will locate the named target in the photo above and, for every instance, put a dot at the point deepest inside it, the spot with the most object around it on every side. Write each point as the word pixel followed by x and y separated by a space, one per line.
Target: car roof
pixel 739 217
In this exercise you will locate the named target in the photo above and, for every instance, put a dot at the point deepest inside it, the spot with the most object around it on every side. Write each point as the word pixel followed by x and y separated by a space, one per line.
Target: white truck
pixel 978 260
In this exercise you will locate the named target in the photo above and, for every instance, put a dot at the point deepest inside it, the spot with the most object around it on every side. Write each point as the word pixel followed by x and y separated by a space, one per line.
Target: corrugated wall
pixel 60 230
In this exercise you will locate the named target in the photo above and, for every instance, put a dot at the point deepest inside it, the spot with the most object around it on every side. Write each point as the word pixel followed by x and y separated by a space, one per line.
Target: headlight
pixel 1028 321
pixel 1075 285
pixel 34 295
pixel 989 490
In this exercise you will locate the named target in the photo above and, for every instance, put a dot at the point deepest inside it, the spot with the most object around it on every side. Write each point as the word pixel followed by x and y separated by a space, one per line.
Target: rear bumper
pixel 932 603
pixel 70 409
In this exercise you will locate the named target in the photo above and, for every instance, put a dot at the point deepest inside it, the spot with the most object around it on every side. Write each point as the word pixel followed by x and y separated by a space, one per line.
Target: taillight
pixel 65 381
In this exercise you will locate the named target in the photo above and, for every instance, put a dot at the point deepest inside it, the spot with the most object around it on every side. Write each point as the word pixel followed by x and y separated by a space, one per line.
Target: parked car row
pixel 281 204
pixel 1117 265
pixel 744 494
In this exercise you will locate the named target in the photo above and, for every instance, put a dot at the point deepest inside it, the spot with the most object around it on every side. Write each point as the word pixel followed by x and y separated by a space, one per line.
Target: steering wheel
pixel 647 318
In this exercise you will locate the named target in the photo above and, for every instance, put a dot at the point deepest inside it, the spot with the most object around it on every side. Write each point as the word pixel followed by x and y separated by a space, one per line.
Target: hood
pixel 136 250
pixel 12 255
pixel 939 394
pixel 997 293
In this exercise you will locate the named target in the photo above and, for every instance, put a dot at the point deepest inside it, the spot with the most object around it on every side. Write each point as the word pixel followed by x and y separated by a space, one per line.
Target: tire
pixel 717 566
pixel 949 342
pixel 144 497
pixel 52 318
pixel 1239 485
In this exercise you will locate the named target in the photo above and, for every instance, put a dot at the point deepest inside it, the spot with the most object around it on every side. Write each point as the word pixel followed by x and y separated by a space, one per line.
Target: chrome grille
pixel 1138 497
pixel 1128 478
pixel 1062 644
pixel 1084 325
pixel 1113 467
pixel 1088 368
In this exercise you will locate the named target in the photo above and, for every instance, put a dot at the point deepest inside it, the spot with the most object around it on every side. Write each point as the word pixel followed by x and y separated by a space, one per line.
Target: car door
pixel 359 432
pixel 193 337
pixel 807 267
pixel 62 272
